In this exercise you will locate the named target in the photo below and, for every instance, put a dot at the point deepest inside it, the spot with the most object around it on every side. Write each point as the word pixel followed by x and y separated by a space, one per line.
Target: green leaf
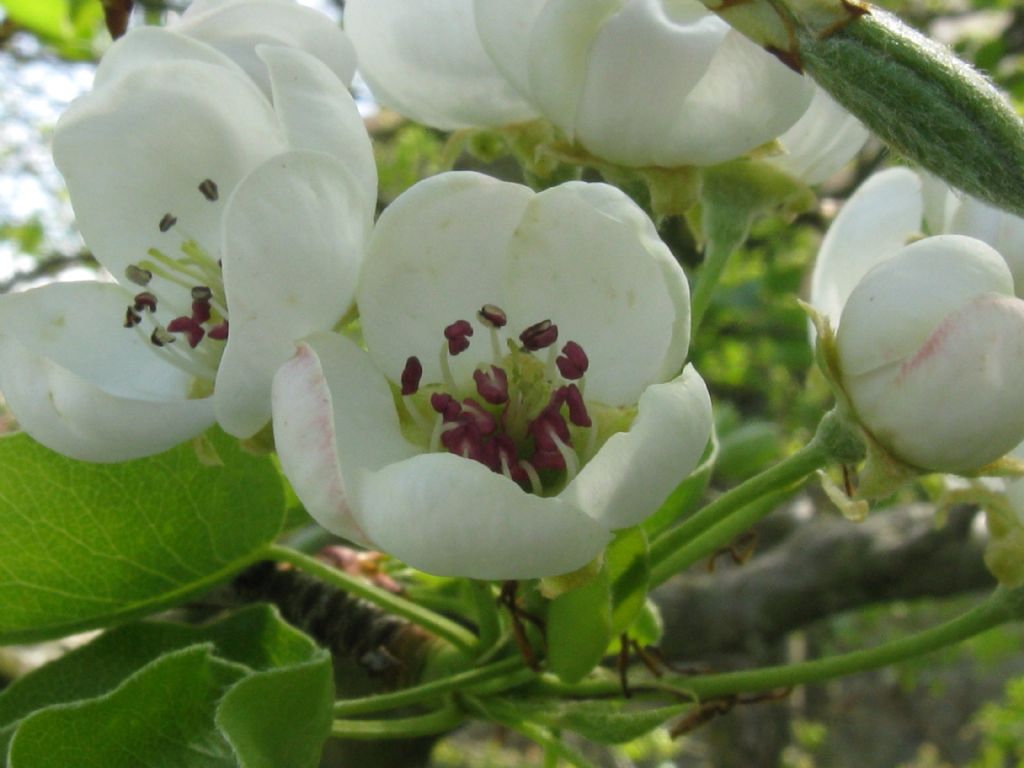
pixel 280 718
pixel 88 545
pixel 579 628
pixel 629 575
pixel 161 716
pixel 648 627
pixel 606 722
pixel 277 714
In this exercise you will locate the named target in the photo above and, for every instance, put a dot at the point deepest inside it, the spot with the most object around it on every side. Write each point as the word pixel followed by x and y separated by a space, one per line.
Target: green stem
pixel 1004 605
pixel 674 550
pixel 420 693
pixel 716 256
pixel 488 620
pixel 457 635
pixel 441 721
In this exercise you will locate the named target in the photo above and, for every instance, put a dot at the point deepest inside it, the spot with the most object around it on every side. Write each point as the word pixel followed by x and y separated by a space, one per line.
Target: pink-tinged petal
pixel 318 113
pixel 454 517
pixel 139 148
pixel 437 255
pixel 293 242
pixel 957 404
pixel 878 220
pixel 426 61
pixel 635 471
pixel 587 258
pixel 898 305
pixel 237 28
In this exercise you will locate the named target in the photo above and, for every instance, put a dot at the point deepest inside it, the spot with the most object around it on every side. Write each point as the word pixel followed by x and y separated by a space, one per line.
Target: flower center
pixel 190 301
pixel 524 415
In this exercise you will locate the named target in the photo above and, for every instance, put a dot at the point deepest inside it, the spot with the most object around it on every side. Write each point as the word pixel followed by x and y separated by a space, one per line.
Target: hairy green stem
pixel 444 628
pixel 1003 606
pixel 439 721
pixel 674 550
pixel 470 679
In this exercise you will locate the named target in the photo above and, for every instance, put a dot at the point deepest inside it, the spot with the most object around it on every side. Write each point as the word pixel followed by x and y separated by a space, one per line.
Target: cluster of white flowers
pixel 515 388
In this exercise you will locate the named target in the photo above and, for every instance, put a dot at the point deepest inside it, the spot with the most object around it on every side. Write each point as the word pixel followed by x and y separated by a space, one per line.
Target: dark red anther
pixel 464 440
pixel 189 327
pixel 446 405
pixel 573 362
pixel 145 300
pixel 200 311
pixel 131 318
pixel 137 274
pixel 577 408
pixel 539 335
pixel 458 334
pixel 548 425
pixel 492 316
pixel 160 337
pixel 548 460
pixel 167 221
pixel 209 190
pixel 219 331
pixel 492 384
pixel 411 375
pixel 475 414
pixel 504 452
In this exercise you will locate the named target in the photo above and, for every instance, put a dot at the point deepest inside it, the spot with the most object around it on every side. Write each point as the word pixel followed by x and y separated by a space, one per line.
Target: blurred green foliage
pixel 71 27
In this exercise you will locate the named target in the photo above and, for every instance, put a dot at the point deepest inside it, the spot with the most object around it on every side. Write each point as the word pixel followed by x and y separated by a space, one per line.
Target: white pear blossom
pixel 522 392
pixel 823 140
pixel 635 82
pixel 424 60
pixel 930 337
pixel 210 203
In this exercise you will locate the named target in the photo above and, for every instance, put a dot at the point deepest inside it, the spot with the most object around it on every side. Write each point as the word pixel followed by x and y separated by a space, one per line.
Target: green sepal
pixel 629 571
pixel 605 722
pixel 579 628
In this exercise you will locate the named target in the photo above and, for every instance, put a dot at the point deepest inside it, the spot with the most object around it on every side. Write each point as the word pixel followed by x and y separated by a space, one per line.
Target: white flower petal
pixel 1002 230
pixel 436 256
pixel 635 471
pixel 333 419
pixel 746 98
pixel 504 29
pixel 294 231
pixel 454 517
pixel 237 28
pixel 82 384
pixel 73 416
pixel 318 113
pixel 560 44
pixel 630 105
pixel 823 140
pixel 877 220
pixel 152 45
pixel 898 305
pixel 139 148
pixel 587 258
pixel 975 359
pixel 426 61
pixel 79 325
